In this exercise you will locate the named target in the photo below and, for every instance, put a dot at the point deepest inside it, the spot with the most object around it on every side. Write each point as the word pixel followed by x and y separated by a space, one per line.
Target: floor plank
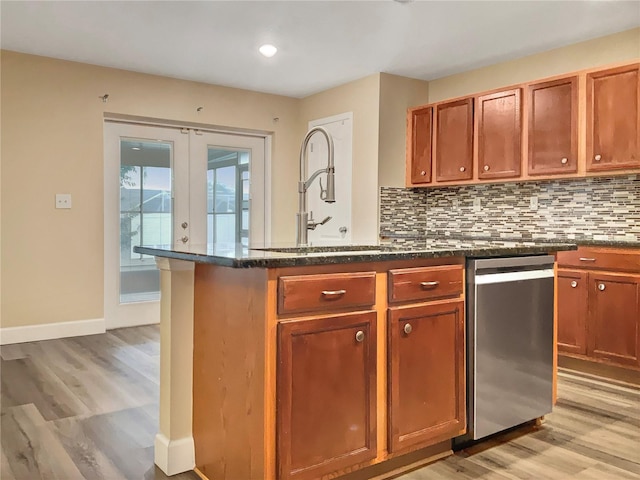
pixel 87 408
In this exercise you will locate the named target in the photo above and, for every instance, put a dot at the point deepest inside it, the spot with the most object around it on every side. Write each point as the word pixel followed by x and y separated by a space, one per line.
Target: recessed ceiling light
pixel 135 148
pixel 268 50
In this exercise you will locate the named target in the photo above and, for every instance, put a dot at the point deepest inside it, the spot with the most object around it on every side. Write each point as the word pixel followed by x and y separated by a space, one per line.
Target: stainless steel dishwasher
pixel 509 342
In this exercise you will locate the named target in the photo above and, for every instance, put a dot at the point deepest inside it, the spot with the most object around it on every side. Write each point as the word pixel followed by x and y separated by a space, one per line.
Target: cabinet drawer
pixel 425 283
pixel 312 293
pixel 624 260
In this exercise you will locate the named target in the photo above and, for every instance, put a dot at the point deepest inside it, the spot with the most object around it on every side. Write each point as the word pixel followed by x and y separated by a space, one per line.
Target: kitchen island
pixel 278 362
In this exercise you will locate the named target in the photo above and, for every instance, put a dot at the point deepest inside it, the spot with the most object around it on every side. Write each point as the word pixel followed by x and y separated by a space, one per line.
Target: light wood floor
pixel 87 407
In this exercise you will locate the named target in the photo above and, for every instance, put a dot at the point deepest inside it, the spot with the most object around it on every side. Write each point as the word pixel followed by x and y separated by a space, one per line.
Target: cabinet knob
pixel 359 336
pixel 597 158
pixel 423 173
pixel 601 287
pixel 462 169
pixel 486 168
pixel 564 161
pixel 408 328
pixel 574 284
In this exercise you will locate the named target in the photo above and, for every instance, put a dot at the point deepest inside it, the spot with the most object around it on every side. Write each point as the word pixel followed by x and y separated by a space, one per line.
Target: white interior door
pixel 146 185
pixel 338 229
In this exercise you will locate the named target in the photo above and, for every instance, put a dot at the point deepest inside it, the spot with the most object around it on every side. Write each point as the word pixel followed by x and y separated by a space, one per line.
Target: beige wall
pixel 619 47
pixel 362 98
pixel 396 95
pixel 52 142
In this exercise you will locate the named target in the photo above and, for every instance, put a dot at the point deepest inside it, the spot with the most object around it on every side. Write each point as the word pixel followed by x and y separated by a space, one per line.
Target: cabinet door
pixel 326 394
pixel 552 132
pixel 421 132
pixel 613 119
pixel 454 141
pixel 614 303
pixel 499 135
pixel 426 375
pixel 572 311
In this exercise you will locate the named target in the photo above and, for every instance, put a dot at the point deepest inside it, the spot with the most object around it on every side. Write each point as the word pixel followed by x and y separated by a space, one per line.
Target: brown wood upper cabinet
pixel 454 140
pixel 421 128
pixel 553 123
pixel 613 119
pixel 326 394
pixel 499 134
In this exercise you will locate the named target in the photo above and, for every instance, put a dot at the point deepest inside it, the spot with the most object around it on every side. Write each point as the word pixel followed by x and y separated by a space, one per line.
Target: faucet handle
pixel 325 221
pixel 323 191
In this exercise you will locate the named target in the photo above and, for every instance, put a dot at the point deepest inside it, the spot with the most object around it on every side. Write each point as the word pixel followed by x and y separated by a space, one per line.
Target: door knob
pixel 184 239
pixel 184 225
pixel 342 230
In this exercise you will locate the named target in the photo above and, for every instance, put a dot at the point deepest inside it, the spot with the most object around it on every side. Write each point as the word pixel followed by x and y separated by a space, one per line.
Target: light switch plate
pixel 63 200
pixel 533 203
pixel 477 204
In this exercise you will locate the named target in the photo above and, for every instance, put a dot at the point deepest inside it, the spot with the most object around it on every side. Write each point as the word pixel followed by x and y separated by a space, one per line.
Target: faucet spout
pixel 328 194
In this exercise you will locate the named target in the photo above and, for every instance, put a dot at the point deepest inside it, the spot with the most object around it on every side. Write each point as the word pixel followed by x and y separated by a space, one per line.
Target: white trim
pixel 51 331
pixel 268 142
pixel 174 456
pixel 331 119
pixel 484 279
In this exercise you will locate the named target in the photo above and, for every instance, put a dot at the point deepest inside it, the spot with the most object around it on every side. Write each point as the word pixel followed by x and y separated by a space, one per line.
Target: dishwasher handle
pixel 517 276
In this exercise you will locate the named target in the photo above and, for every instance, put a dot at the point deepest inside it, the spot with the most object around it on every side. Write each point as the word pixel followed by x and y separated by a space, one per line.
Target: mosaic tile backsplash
pixel 602 208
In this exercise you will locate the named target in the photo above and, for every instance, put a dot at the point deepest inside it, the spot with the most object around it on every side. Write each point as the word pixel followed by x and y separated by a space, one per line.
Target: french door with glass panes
pixel 173 187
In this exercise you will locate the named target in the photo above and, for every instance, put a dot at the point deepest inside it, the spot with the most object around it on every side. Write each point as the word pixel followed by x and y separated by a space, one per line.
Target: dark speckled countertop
pixel 286 255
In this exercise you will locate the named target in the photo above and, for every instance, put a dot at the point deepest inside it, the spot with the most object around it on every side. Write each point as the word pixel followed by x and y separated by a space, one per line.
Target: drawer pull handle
pixel 331 294
pixel 574 284
pixel 601 287
pixel 585 259
pixel 408 328
pixel 427 285
pixel 359 336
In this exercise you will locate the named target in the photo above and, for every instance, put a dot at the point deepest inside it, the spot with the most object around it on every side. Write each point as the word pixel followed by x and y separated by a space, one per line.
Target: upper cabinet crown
pixel 553 127
pixel 613 118
pixel 582 124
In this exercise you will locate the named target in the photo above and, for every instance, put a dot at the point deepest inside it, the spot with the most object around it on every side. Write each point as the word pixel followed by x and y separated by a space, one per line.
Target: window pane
pixel 145 214
pixel 225 190
pixel 225 228
pixel 210 183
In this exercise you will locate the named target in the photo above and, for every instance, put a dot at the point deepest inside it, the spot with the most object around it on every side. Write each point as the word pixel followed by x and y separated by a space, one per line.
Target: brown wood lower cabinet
pixel 426 374
pixel 599 305
pixel 326 393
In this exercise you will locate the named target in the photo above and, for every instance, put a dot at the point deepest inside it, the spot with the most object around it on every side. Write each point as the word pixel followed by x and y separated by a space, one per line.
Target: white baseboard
pixel 51 331
pixel 174 456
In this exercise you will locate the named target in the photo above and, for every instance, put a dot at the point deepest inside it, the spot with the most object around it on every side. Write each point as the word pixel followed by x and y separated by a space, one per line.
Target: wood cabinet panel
pixel 573 291
pixel 552 131
pixel 426 374
pixel 454 140
pixel 614 304
pixel 613 119
pixel 326 292
pixel 421 124
pixel 326 390
pixel 425 283
pixel 601 258
pixel 500 135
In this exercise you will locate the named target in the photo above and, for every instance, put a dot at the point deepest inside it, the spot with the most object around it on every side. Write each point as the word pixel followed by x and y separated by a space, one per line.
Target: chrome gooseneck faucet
pixel 328 194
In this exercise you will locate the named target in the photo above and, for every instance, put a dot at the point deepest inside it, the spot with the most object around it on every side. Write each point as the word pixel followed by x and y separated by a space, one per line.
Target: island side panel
pixel 230 307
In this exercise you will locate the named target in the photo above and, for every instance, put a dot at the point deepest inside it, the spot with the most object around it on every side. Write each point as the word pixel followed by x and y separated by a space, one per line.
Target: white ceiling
pixel 321 43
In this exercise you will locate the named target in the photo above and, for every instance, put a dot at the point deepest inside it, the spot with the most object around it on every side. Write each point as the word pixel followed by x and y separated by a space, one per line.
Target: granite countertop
pixel 287 255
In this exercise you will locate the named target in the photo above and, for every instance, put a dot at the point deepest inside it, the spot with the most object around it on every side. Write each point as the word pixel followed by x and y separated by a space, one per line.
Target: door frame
pixel 148 312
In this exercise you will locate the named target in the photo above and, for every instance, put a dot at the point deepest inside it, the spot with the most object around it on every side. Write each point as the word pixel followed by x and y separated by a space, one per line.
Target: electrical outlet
pixel 533 203
pixel 63 200
pixel 477 204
